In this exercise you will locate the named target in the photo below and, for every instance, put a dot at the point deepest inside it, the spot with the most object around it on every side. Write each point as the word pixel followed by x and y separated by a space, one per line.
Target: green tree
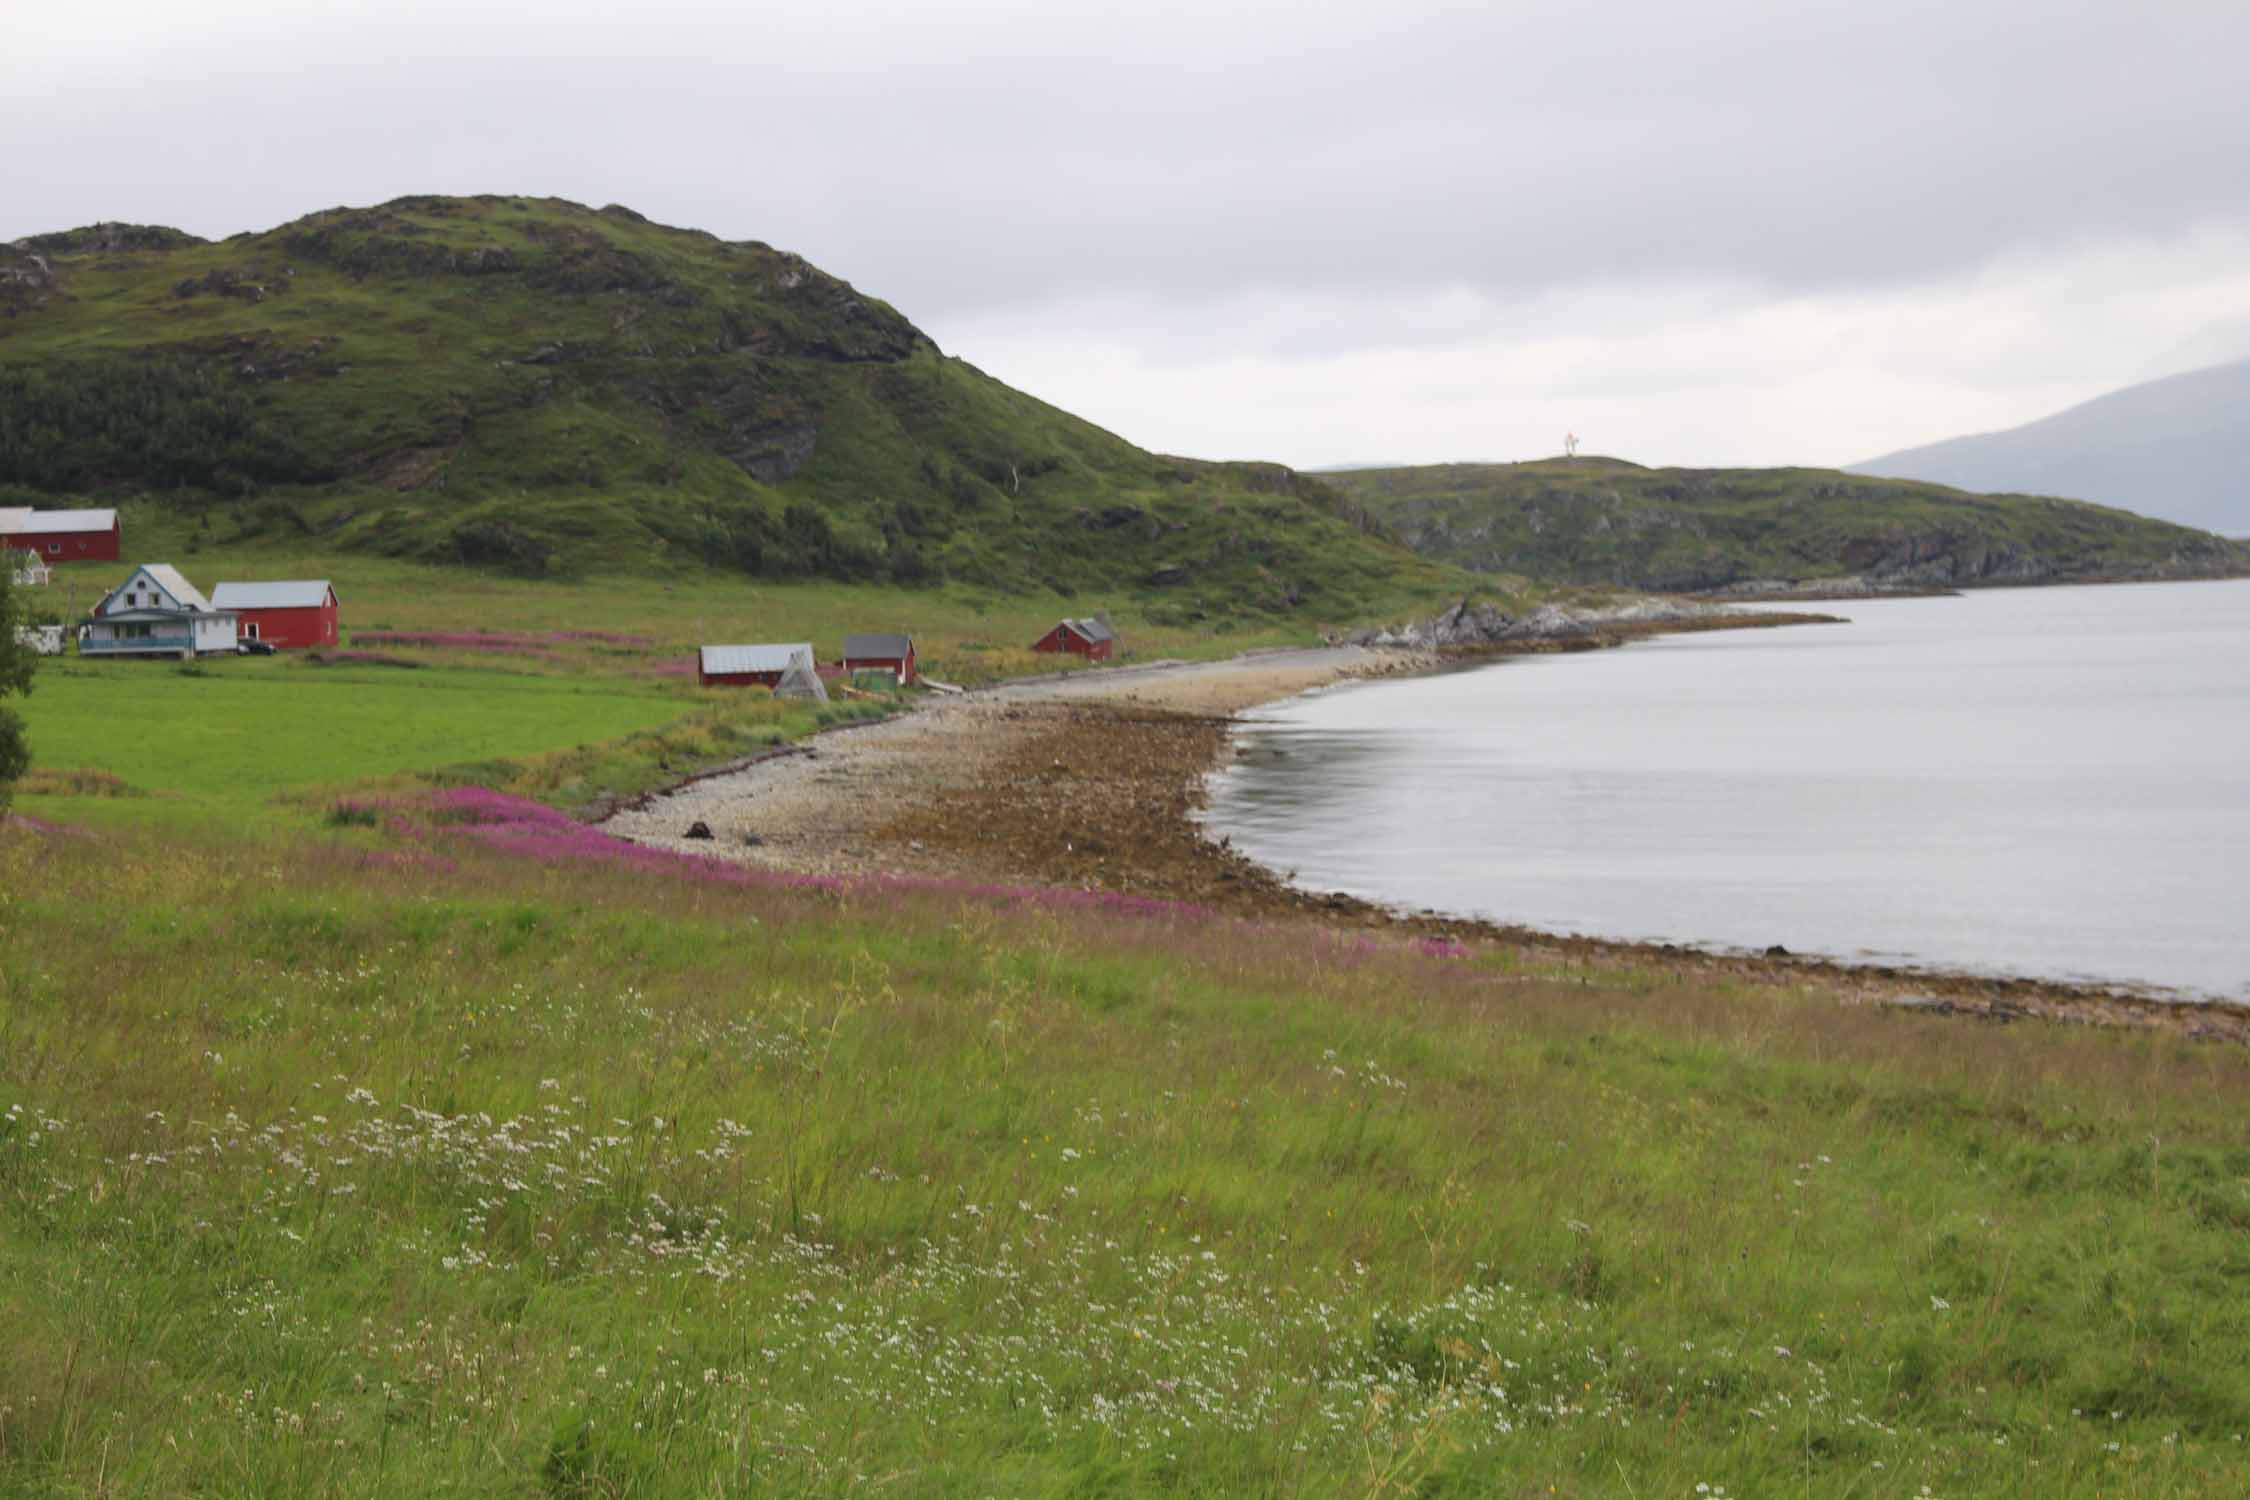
pixel 15 677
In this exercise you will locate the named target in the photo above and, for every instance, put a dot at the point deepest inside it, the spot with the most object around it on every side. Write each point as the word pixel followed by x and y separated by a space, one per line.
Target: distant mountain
pixel 1606 521
pixel 2177 448
pixel 535 385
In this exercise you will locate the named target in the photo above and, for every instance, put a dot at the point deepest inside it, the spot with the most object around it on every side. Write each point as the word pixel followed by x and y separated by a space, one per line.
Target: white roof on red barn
pixel 49 522
pixel 1090 629
pixel 722 661
pixel 297 593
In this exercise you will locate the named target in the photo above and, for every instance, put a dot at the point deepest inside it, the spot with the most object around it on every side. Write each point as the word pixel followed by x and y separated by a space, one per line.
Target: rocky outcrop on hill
pixel 111 238
pixel 27 279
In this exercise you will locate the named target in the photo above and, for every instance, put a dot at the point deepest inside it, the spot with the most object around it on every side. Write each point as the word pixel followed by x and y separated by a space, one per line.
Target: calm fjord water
pixel 2052 782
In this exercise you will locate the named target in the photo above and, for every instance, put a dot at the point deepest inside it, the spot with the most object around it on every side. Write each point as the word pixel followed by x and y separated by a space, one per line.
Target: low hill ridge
pixel 542 386
pixel 1593 519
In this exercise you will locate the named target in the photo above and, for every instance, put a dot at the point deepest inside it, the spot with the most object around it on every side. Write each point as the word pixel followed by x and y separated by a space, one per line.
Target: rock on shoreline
pixel 1470 624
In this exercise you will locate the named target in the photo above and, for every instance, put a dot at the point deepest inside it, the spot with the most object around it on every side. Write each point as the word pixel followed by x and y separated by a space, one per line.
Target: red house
pixel 297 613
pixel 881 653
pixel 61 536
pixel 1091 638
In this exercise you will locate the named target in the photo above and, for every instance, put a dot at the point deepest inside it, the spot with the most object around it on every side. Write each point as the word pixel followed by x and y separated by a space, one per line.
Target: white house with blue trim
pixel 156 612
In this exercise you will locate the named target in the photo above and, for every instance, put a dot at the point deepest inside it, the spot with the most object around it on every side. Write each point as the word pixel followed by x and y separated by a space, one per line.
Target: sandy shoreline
pixel 828 808
pixel 1095 779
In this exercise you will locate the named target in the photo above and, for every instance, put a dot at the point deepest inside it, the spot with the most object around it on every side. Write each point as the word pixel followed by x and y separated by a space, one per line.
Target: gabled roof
pixel 299 593
pixel 183 592
pixel 48 522
pixel 1090 629
pixel 728 660
pixel 166 577
pixel 888 646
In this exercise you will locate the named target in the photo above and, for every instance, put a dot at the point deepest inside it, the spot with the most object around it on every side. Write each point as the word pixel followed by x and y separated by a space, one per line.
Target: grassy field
pixel 365 1130
pixel 570 691
pixel 234 734
pixel 434 1169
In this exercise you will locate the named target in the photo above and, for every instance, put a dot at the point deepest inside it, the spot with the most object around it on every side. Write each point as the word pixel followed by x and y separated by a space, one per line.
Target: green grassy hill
pixel 542 387
pixel 1608 521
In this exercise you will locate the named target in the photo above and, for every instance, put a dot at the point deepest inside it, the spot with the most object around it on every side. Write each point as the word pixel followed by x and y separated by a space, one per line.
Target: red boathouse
pixel 751 666
pixel 881 653
pixel 1090 638
pixel 298 613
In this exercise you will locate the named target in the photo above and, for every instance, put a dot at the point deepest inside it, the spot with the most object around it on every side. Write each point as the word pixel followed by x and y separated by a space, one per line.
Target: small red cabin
pixel 294 614
pixel 61 536
pixel 1091 638
pixel 751 666
pixel 881 653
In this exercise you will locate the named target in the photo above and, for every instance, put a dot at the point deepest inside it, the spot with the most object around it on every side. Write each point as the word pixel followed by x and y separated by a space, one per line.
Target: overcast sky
pixel 1691 233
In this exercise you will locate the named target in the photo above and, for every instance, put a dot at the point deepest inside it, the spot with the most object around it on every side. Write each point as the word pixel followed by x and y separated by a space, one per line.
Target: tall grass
pixel 322 1172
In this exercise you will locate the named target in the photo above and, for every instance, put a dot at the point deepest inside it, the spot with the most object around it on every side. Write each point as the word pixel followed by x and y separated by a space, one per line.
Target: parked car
pixel 253 648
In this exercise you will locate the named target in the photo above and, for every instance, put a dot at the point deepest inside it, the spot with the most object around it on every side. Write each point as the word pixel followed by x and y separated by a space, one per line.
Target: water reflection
pixel 2040 781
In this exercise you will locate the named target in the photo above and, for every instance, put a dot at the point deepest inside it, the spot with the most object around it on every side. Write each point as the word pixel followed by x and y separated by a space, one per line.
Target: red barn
pixel 752 666
pixel 1092 639
pixel 881 653
pixel 297 613
pixel 61 536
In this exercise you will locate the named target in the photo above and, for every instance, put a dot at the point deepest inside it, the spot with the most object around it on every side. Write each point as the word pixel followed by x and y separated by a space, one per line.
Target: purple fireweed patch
pixel 532 830
pixel 489 642
pixel 37 825
pixel 605 637
pixel 525 829
pixel 469 640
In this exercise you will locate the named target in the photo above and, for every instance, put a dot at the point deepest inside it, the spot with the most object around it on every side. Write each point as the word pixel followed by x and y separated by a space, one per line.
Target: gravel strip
pixel 817 811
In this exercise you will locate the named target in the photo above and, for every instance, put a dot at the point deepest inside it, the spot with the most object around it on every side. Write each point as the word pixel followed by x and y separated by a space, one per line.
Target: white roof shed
pixel 728 660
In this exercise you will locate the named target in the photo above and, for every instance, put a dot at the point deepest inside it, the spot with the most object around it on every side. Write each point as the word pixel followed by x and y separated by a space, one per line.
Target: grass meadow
pixel 230 735
pixel 567 691
pixel 368 1127
pixel 425 1167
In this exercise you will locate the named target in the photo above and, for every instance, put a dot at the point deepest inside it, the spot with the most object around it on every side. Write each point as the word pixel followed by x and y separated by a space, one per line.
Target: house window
pixel 54 549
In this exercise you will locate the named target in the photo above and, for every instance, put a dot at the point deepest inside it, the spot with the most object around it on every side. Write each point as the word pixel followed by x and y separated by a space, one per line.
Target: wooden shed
pixel 1091 638
pixel 751 666
pixel 881 653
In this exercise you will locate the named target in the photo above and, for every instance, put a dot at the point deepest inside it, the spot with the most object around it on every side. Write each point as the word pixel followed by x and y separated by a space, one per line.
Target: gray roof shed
pixel 886 646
